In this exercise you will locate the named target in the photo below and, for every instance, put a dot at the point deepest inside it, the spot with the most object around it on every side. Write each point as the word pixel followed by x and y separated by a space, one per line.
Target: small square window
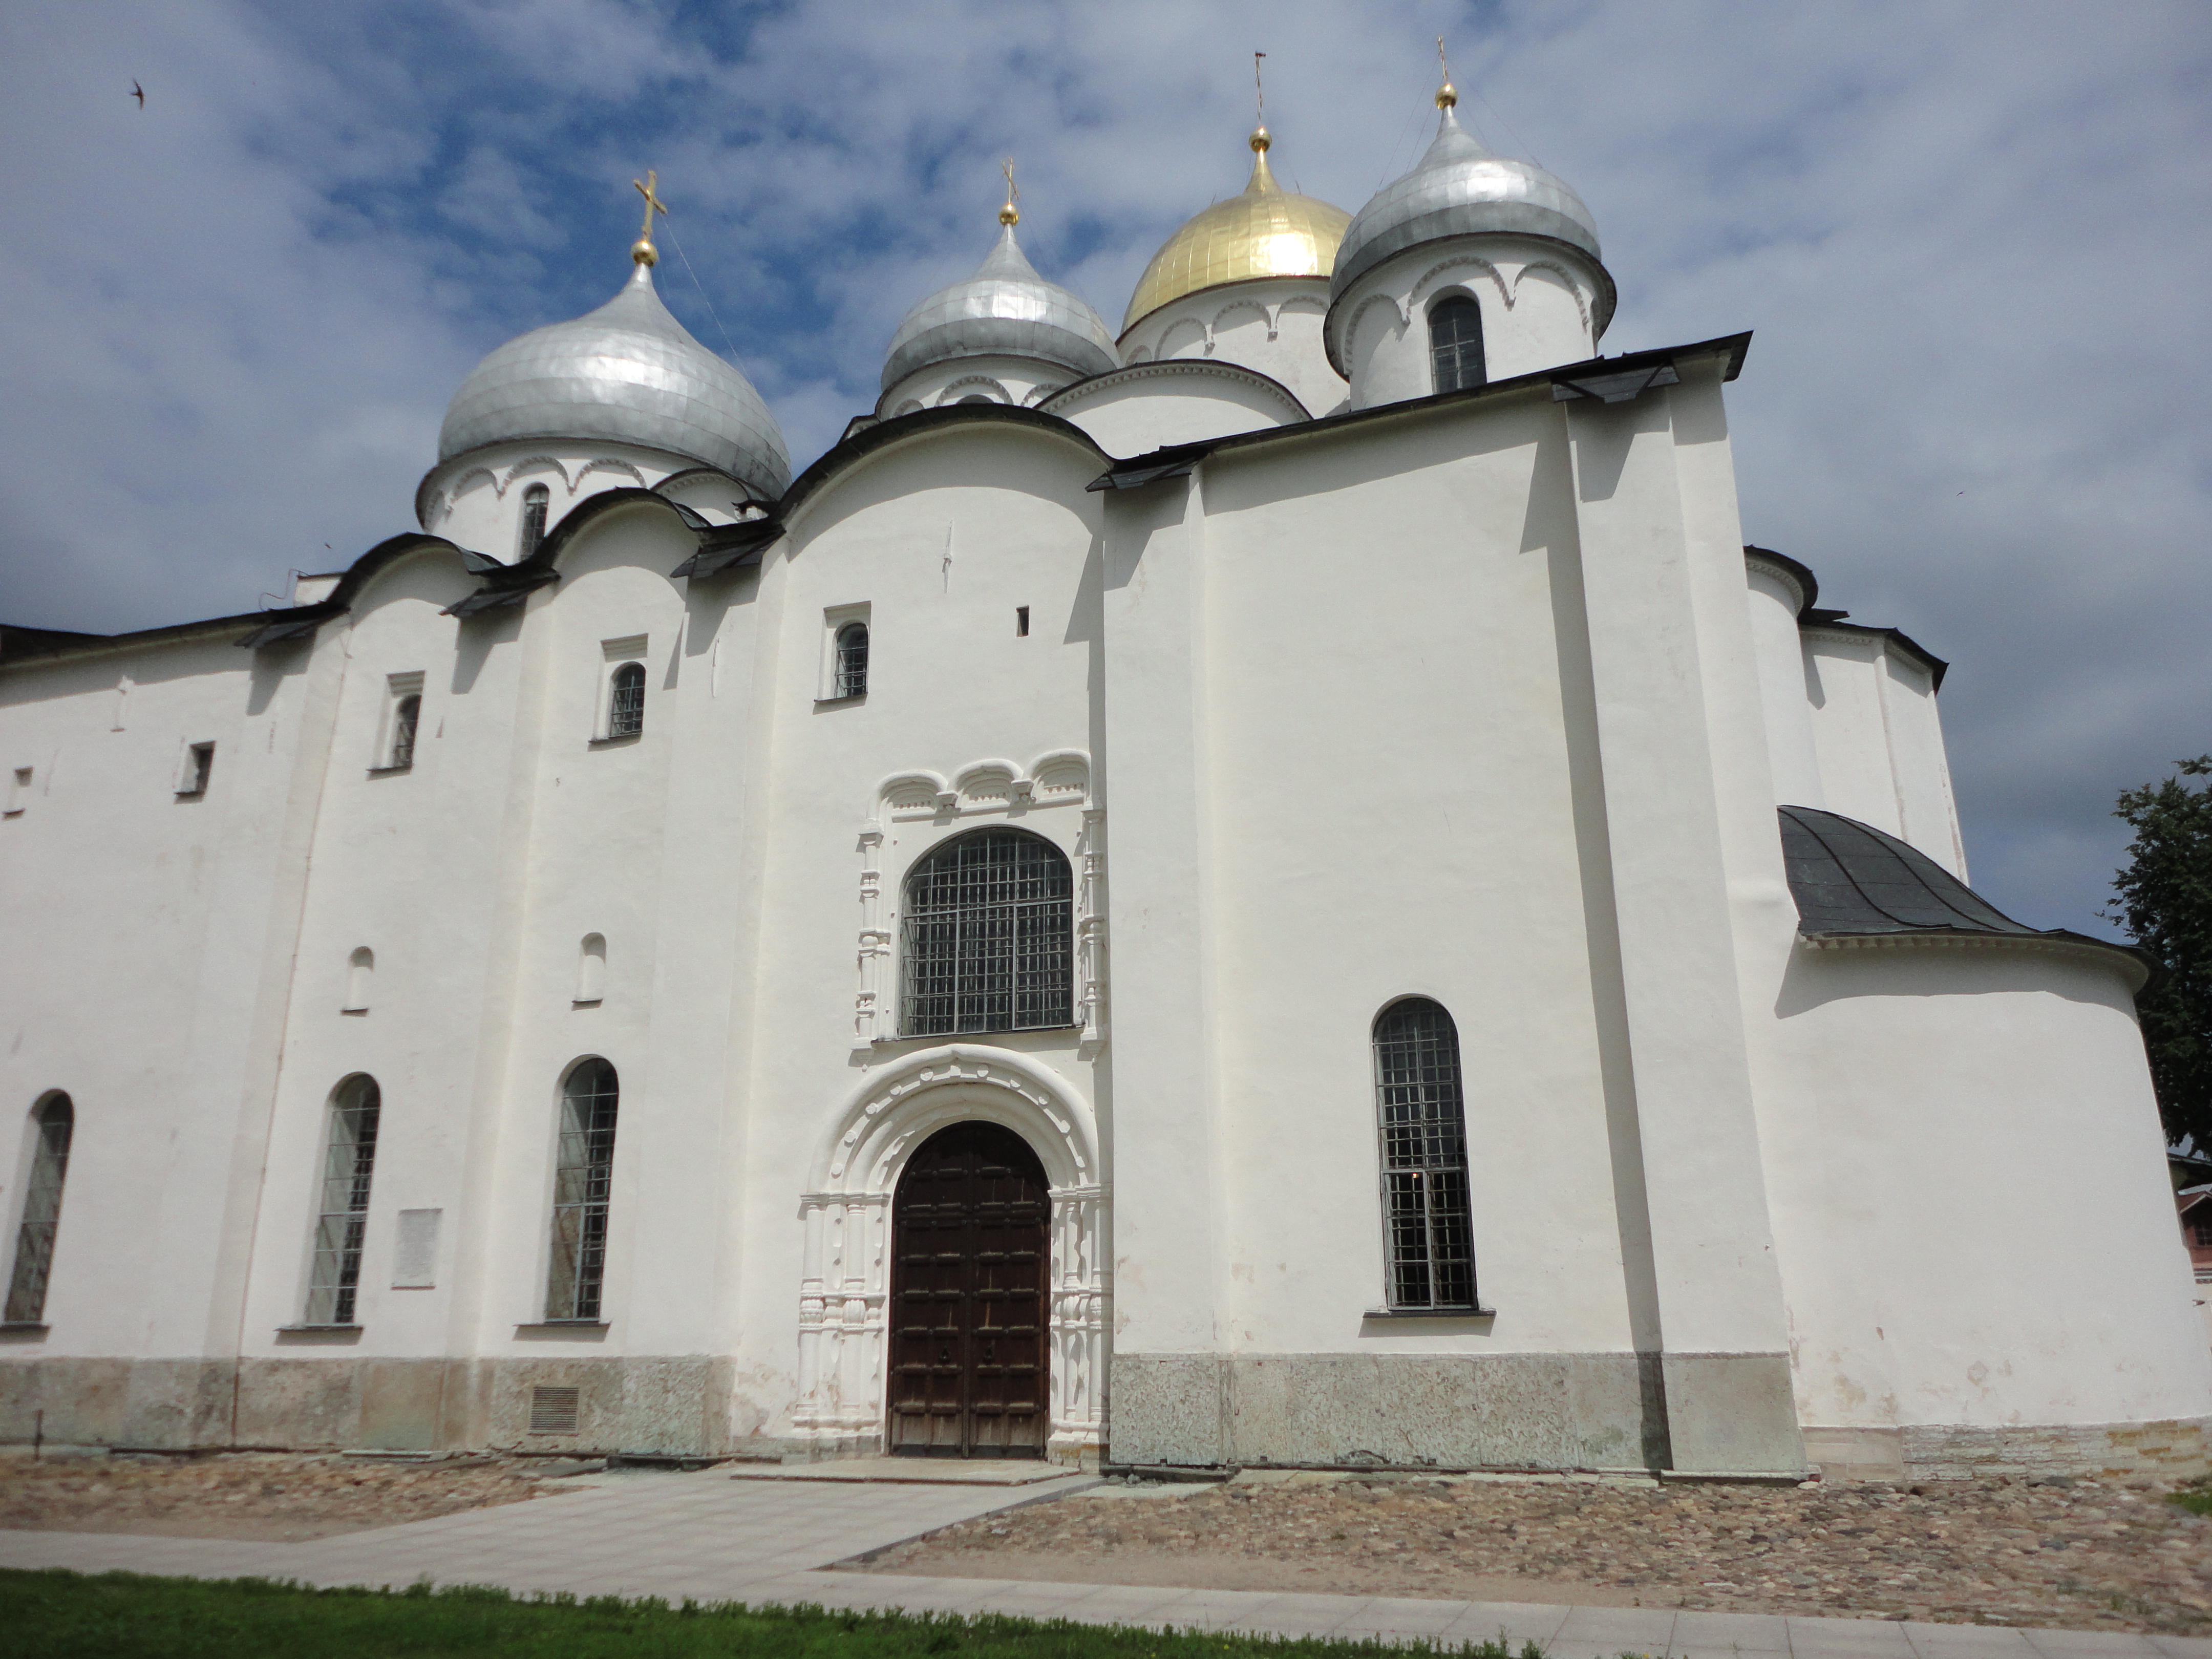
pixel 198 767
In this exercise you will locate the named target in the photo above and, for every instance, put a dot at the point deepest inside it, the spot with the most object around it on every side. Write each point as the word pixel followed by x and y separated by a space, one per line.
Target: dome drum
pixel 1540 304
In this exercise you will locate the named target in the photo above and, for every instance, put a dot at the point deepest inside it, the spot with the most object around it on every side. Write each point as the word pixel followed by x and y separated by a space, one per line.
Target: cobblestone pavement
pixel 2079 1554
pixel 277 1496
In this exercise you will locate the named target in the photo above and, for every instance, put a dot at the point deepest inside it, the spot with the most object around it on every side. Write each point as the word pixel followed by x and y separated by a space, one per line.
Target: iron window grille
pixel 42 1212
pixel 582 1180
pixel 851 676
pixel 406 716
pixel 1422 1120
pixel 535 501
pixel 1456 344
pixel 988 937
pixel 626 701
pixel 334 1282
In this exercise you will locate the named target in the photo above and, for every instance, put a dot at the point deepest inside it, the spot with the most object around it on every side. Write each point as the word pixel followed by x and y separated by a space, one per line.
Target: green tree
pixel 2166 902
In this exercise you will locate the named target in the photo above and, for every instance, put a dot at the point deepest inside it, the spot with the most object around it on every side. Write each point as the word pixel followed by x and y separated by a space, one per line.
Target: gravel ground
pixel 283 1497
pixel 2077 1554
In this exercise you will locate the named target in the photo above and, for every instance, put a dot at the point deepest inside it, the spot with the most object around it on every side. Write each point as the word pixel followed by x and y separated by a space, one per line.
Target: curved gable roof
pixel 1852 881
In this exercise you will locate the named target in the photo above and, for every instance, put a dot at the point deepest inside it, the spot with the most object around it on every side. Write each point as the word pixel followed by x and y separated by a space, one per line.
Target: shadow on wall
pixel 1814 979
pixel 272 665
pixel 476 636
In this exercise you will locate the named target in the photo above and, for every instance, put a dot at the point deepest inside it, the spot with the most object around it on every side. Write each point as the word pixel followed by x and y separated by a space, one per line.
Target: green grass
pixel 2196 1499
pixel 121 1615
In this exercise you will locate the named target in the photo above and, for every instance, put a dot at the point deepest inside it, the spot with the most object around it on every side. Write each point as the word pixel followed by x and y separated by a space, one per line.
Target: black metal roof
pixel 1851 880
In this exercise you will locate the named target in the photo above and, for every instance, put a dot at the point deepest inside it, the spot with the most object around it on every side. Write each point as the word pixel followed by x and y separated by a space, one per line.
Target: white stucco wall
pixel 1879 738
pixel 1971 1206
pixel 149 928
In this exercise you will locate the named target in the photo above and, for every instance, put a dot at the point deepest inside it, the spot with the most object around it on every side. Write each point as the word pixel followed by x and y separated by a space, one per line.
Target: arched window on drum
pixel 1456 343
pixel 988 937
pixel 1421 1119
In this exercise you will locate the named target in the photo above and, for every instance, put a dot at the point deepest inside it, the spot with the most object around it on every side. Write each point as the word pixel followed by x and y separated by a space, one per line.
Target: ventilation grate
pixel 553 1411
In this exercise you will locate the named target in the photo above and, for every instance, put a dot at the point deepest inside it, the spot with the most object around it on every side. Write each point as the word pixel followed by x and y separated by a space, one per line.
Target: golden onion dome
pixel 1267 231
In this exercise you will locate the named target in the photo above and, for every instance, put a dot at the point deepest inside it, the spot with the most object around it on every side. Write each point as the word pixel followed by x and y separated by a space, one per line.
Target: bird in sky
pixel 139 93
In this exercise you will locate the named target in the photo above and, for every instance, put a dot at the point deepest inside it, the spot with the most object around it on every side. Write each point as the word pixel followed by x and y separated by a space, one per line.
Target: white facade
pixel 1474 697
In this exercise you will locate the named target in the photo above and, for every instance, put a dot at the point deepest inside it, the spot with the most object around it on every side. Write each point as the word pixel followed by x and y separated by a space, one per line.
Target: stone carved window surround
pixel 846 1214
pixel 1052 798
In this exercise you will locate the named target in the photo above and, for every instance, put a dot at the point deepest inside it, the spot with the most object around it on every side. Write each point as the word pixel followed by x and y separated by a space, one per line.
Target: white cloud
pixel 1969 236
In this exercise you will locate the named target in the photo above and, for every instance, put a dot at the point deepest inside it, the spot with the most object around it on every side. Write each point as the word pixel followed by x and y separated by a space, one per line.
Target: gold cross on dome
pixel 653 202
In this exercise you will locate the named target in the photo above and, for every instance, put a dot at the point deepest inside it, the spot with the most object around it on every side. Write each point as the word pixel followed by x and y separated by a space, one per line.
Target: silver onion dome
pixel 1005 309
pixel 629 372
pixel 1458 189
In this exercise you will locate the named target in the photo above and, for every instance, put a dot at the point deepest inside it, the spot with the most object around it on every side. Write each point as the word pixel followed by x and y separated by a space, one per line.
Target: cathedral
pixel 1275 886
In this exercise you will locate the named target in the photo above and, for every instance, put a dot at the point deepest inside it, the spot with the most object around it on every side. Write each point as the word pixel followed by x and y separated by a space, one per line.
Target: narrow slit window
pixel 592 969
pixel 1422 1120
pixel 988 944
pixel 406 717
pixel 52 1126
pixel 19 791
pixel 1456 344
pixel 626 701
pixel 199 766
pixel 536 500
pixel 582 1180
pixel 1021 622
pixel 852 677
pixel 341 1220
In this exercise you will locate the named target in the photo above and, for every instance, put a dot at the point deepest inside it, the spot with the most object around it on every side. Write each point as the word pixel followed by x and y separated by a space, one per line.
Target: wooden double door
pixel 968 1317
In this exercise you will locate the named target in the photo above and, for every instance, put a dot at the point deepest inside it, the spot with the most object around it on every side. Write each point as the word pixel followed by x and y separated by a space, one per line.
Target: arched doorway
pixel 969 1373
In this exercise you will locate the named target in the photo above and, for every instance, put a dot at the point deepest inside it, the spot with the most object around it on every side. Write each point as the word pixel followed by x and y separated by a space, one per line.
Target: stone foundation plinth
pixel 674 1405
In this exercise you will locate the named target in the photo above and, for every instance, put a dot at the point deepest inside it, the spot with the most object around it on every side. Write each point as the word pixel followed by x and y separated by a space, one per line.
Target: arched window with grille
pixel 1456 343
pixel 341 1213
pixel 583 1178
pixel 851 676
pixel 626 701
pixel 52 1124
pixel 986 933
pixel 536 500
pixel 1421 1118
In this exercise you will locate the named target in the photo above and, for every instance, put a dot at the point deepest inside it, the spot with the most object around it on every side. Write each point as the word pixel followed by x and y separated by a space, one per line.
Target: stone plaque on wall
pixel 415 1259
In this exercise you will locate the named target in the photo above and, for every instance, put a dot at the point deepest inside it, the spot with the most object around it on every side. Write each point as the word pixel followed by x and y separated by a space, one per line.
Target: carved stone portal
pixel 844 1293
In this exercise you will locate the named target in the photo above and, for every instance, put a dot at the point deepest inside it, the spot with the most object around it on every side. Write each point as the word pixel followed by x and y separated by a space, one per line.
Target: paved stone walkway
pixel 713 1538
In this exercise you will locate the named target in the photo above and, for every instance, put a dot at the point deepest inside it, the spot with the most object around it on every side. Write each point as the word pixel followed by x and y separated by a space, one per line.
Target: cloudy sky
pixel 1972 240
